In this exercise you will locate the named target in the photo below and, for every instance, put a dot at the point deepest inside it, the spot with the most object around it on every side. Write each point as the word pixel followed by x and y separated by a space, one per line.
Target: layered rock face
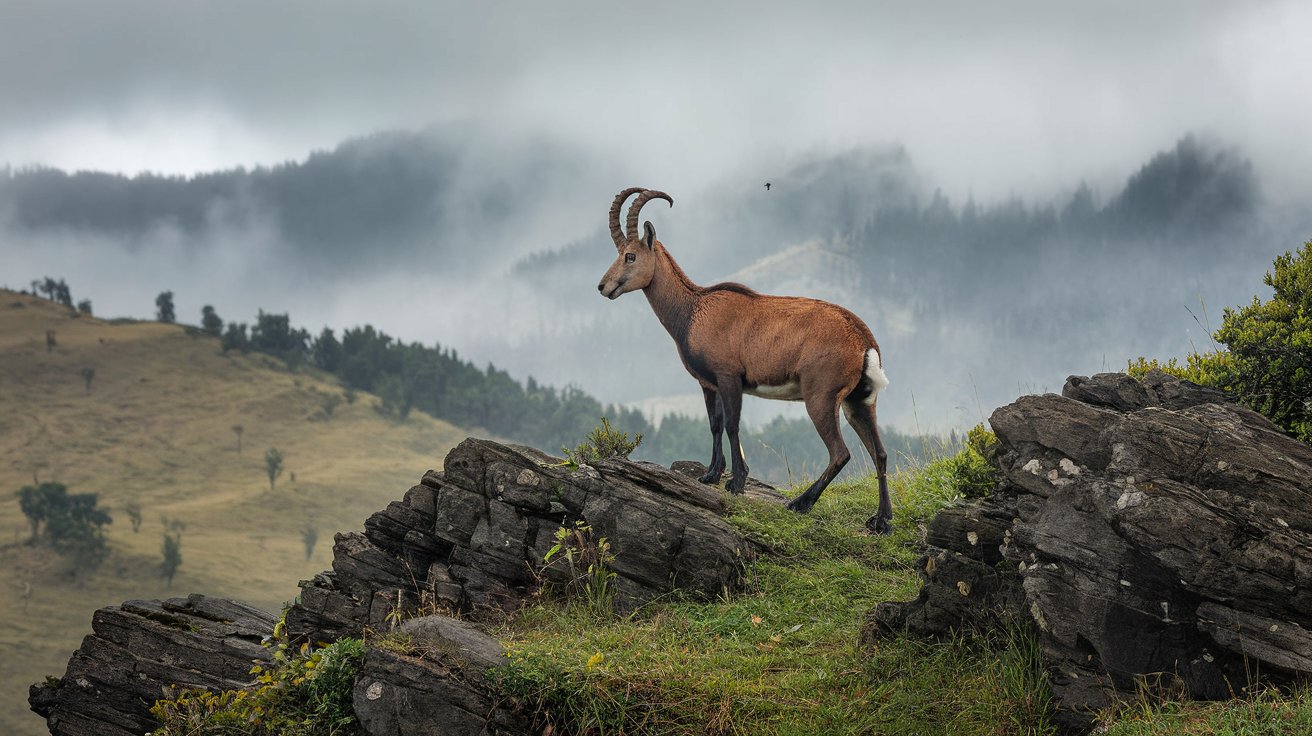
pixel 470 540
pixel 139 648
pixel 1147 529
pixel 440 687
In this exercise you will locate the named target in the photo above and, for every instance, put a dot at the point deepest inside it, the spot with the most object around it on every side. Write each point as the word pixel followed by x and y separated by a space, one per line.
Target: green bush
pixel 602 443
pixel 1205 369
pixel 1267 363
pixel 69 523
pixel 970 471
pixel 305 694
pixel 581 563
pixel 1271 346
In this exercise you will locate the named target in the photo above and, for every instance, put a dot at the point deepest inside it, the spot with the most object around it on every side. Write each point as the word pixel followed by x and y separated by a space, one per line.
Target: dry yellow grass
pixel 156 429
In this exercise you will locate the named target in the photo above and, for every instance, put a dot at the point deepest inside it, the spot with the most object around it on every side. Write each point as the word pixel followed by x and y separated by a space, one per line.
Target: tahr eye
pixel 630 258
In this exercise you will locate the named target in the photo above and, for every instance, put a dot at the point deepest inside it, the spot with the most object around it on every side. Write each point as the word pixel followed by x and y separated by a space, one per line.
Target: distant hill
pixel 372 199
pixel 155 429
pixel 971 301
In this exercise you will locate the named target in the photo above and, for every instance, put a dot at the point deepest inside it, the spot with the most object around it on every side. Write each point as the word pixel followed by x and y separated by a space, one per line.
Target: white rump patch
pixel 875 372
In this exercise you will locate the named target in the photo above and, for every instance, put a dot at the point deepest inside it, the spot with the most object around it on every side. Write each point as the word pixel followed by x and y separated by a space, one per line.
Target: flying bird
pixel 767 186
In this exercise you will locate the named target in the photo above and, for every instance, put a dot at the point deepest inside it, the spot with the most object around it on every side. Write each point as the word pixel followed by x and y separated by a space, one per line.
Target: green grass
pixel 782 657
pixel 1267 713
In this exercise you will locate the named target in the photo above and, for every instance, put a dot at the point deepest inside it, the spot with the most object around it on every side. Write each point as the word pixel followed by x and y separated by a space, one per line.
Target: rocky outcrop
pixel 472 539
pixel 139 648
pixel 1146 529
pixel 438 684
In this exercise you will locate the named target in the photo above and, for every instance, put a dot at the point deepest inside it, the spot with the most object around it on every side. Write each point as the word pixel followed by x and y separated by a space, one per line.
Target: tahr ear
pixel 648 234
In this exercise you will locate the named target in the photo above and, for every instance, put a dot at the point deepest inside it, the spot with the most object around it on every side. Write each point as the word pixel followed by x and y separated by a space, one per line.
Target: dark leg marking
pixel 715 412
pixel 731 402
pixel 864 420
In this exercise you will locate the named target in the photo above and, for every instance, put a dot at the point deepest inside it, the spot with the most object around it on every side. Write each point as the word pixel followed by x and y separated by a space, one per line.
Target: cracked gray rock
pixel 1141 527
pixel 442 685
pixel 472 539
pixel 138 648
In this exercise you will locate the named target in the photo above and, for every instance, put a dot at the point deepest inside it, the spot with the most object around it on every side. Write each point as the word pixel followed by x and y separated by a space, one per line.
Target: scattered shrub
pixel 164 307
pixel 210 321
pixel 172 552
pixel 602 443
pixel 272 465
pixel 971 471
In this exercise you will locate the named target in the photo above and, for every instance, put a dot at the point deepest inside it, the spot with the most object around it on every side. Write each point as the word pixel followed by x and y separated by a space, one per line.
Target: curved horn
pixel 615 233
pixel 636 207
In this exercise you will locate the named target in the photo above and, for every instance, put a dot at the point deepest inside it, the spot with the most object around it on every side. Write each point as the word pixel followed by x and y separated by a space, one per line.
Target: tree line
pixel 437 381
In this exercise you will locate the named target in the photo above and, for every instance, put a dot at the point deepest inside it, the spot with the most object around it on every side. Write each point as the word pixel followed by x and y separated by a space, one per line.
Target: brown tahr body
pixel 734 340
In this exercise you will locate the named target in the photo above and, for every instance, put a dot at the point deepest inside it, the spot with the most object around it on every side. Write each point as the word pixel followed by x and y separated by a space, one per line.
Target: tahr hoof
pixel 800 505
pixel 879 525
pixel 735 485
pixel 711 476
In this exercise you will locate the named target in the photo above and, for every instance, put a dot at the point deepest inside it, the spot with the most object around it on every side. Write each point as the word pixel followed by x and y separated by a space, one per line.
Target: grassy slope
pixel 782 658
pixel 156 430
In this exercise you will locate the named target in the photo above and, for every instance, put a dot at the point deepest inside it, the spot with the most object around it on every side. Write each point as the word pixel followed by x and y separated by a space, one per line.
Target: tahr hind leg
pixel 823 410
pixel 863 419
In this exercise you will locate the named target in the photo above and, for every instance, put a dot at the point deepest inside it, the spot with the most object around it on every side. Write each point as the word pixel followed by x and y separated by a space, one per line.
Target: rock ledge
pixel 1144 528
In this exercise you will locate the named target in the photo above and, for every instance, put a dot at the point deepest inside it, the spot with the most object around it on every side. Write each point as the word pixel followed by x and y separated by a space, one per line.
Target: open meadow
pixel 155 432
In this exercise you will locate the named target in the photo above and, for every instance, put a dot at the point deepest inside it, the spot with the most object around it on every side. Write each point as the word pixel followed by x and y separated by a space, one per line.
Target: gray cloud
pixel 992 99
pixel 988 101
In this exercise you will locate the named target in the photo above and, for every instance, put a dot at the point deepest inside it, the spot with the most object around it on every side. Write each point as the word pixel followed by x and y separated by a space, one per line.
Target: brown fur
pixel 731 339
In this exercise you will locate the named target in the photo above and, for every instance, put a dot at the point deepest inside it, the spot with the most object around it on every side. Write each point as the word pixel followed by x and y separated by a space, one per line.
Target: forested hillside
pixel 438 382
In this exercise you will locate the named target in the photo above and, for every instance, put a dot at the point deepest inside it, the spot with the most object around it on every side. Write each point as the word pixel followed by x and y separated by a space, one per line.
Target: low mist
pixel 494 247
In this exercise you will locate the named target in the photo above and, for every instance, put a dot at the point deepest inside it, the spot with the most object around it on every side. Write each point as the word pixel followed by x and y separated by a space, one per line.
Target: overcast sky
pixel 991 99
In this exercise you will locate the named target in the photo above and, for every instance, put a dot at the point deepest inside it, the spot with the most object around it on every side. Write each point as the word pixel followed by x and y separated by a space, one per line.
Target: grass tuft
pixel 1262 713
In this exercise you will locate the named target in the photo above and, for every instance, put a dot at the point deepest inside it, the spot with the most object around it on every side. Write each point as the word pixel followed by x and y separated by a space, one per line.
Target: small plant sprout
pixel 582 561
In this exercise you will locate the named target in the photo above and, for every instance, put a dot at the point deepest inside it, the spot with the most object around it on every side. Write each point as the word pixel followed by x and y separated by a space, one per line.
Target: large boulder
pixel 473 537
pixel 139 648
pixel 1146 529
